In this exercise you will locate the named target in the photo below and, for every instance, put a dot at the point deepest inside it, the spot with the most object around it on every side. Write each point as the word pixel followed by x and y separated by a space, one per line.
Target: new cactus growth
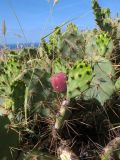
pixel 104 21
pixel 98 44
pixel 51 48
pixel 58 82
pixel 79 78
pixel 104 44
pixel 102 16
pixel 72 28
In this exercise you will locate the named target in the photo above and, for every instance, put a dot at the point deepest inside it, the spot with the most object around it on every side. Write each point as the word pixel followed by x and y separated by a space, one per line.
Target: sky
pixel 29 20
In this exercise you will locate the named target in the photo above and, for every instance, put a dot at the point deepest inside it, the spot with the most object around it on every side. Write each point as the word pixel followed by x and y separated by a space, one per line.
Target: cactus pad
pixel 8 139
pixel 18 94
pixel 71 43
pixel 79 79
pixel 102 86
pixel 104 44
pixel 10 72
pixel 58 66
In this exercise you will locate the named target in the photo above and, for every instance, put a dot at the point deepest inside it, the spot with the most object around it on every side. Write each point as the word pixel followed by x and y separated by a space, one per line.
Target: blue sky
pixel 37 20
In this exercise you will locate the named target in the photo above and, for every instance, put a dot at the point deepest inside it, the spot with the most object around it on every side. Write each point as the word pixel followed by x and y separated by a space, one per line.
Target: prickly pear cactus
pixel 102 16
pixel 71 44
pixel 98 44
pixel 51 48
pixel 91 50
pixel 104 44
pixel 27 53
pixel 72 28
pixel 117 84
pixel 9 139
pixel 79 78
pixel 107 24
pixel 18 95
pixel 7 103
pixel 23 55
pixel 102 86
pixel 58 66
pixel 10 72
pixel 1 67
pixel 39 90
pixel 117 24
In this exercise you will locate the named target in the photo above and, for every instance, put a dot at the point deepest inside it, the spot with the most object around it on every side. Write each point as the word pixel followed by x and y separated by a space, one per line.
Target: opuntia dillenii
pixel 58 82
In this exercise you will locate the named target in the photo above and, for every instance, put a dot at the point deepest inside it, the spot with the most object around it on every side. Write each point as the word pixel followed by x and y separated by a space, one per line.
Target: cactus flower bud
pixel 58 82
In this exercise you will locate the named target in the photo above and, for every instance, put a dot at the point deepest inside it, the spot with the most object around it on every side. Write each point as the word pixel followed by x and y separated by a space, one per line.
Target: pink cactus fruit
pixel 58 82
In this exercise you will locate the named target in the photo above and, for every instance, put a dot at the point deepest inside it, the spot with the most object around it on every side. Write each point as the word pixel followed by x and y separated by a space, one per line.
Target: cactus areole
pixel 58 82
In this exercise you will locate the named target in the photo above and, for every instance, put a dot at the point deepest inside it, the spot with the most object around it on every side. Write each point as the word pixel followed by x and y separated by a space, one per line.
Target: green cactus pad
pixel 9 139
pixel 79 79
pixel 11 69
pixel 105 66
pixel 91 47
pixel 18 94
pixel 71 44
pixel 51 48
pixel 98 44
pixel 58 66
pixel 104 44
pixel 10 72
pixel 39 91
pixel 102 86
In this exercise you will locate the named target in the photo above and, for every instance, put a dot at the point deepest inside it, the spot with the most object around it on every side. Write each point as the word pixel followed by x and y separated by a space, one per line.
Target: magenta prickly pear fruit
pixel 58 82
